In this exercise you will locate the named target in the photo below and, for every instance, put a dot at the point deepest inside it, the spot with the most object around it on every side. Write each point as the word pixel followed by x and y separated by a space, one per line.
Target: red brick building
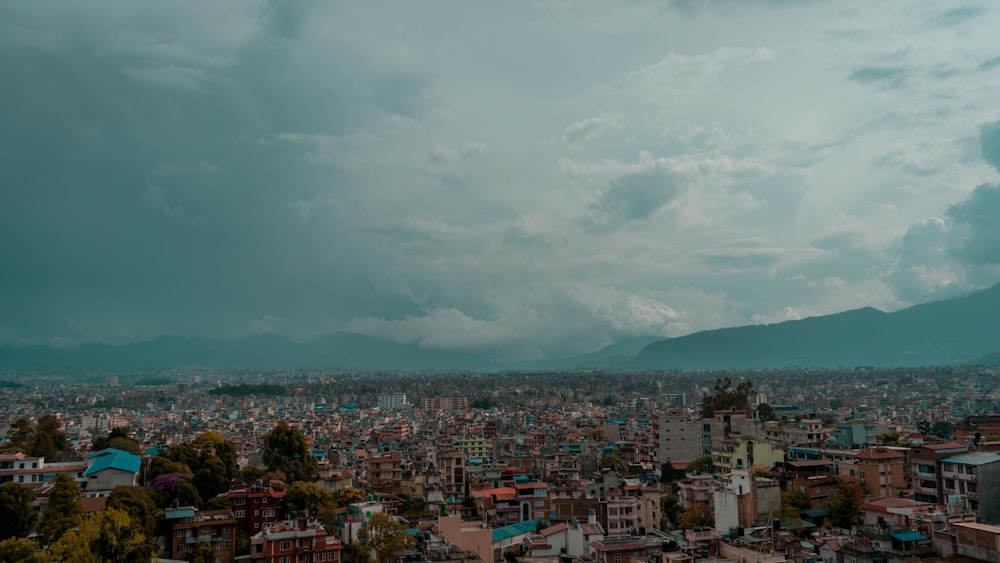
pixel 254 506
pixel 302 541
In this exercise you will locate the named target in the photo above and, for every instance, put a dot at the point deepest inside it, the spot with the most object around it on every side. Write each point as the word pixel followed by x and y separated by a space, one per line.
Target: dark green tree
pixel 118 538
pixel 613 462
pixel 845 504
pixel 766 412
pixel 303 497
pixel 202 552
pixel 251 474
pixel 161 465
pixel 286 450
pixel 670 509
pixel 20 550
pixel 703 464
pixel 386 537
pixel 725 397
pixel 139 505
pixel 698 515
pixel 941 429
pixel 63 510
pixel 16 515
pixel 242 543
pixel 793 502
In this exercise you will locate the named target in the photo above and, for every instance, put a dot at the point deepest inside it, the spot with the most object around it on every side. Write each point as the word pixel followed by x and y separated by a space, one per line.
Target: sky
pixel 516 180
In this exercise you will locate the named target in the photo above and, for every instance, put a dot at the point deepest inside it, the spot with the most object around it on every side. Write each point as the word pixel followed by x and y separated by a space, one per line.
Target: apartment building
pixel 973 481
pixel 190 526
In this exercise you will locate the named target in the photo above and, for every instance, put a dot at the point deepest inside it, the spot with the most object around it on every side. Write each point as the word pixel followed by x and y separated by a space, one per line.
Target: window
pixel 268 513
pixel 285 545
pixel 618 557
pixel 319 557
pixel 241 513
pixel 239 501
pixel 285 559
pixel 539 503
pixel 180 533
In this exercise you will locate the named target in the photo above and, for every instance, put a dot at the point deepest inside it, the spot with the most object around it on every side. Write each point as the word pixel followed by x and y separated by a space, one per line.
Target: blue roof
pixel 185 512
pixel 908 536
pixel 974 458
pixel 113 459
pixel 512 530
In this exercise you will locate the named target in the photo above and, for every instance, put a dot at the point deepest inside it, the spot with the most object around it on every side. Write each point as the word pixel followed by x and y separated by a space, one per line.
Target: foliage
pixel 670 509
pixel 63 511
pixel 202 552
pixel 726 397
pixel 74 547
pixel 305 497
pixel 117 537
pixel 668 474
pixel 386 537
pixel 357 552
pixel 890 438
pixel 242 543
pixel 484 403
pixel 244 389
pixel 698 515
pixel 766 412
pixel 20 550
pixel 16 514
pixel 349 495
pixel 45 439
pixel 251 474
pixel 703 464
pixel 118 439
pixel 161 465
pixel 793 501
pixel 845 504
pixel 613 462
pixel 941 429
pixel 175 487
pixel 136 502
pixel 286 450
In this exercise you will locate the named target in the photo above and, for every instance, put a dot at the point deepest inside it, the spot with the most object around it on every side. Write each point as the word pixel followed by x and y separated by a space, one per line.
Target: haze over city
pixel 512 180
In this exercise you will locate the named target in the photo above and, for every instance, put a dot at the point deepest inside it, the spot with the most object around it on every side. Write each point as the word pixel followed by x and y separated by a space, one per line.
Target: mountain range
pixel 964 329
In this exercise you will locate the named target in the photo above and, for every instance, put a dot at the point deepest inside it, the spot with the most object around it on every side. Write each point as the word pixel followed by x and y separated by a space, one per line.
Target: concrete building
pixel 881 471
pixel 189 526
pixel 676 437
pixel 925 468
pixel 973 480
pixel 303 541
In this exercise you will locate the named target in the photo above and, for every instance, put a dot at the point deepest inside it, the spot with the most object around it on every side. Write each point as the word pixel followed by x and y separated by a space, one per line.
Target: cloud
pixel 979 241
pixel 883 76
pixel 990 140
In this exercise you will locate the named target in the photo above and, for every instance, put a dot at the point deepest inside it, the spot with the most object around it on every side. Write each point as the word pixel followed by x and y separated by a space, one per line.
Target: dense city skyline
pixel 513 181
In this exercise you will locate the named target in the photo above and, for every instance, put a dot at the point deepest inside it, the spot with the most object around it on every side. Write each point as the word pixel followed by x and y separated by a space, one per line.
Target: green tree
pixel 386 537
pixel 19 436
pixel 63 511
pixel 845 504
pixel 670 509
pixel 139 504
pixel 703 464
pixel 286 450
pixel 793 501
pixel 202 552
pixel 161 465
pixel 116 537
pixel 242 543
pixel 20 550
pixel 613 462
pixel 16 514
pixel 766 412
pixel 698 515
pixel 941 429
pixel 890 438
pixel 305 497
pixel 251 474
pixel 357 553
pixel 725 397
pixel 346 496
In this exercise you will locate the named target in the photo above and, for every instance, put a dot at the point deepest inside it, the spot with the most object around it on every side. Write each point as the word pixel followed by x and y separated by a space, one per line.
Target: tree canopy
pixel 16 514
pixel 64 510
pixel 726 397
pixel 845 504
pixel 286 450
pixel 386 537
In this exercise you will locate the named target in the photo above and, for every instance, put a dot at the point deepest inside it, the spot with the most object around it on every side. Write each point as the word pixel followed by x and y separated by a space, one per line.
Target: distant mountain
pixel 950 331
pixel 340 350
pixel 610 356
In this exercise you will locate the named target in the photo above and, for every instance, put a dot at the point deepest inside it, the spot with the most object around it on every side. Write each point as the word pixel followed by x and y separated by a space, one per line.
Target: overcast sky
pixel 512 179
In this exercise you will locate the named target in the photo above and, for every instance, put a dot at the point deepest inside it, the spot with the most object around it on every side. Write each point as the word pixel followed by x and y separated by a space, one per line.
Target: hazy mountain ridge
pixel 964 329
pixel 951 331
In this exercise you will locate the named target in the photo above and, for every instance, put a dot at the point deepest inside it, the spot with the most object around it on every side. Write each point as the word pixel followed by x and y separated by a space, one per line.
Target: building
pixel 390 401
pixel 474 447
pixel 925 468
pixel 301 541
pixel 385 470
pixel 445 403
pixel 32 472
pixel 973 480
pixel 676 437
pixel 255 506
pixel 110 468
pixel 190 526
pixel 881 471
pixel 738 452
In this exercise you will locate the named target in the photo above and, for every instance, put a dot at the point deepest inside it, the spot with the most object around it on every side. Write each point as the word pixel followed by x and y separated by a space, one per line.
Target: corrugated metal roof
pixel 512 530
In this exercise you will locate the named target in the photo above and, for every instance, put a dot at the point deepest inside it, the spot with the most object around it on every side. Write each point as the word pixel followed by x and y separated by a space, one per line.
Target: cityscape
pixel 545 281
pixel 588 466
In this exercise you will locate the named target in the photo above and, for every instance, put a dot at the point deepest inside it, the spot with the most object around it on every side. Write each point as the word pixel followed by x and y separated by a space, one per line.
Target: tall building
pixel 676 437
pixel 445 403
pixel 305 541
pixel 190 526
pixel 973 480
pixel 389 401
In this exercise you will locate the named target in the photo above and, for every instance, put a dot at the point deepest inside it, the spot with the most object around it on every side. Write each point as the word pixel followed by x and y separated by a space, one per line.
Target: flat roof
pixel 974 458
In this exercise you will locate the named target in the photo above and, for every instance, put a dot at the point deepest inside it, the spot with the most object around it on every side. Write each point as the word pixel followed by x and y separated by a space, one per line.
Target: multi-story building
pixel 676 437
pixel 390 401
pixel 743 452
pixel 880 469
pixel 385 470
pixel 925 469
pixel 533 500
pixel 973 480
pixel 255 506
pixel 724 424
pixel 445 403
pixel 452 470
pixel 34 471
pixel 190 526
pixel 304 541
pixel 978 426
pixel 474 447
